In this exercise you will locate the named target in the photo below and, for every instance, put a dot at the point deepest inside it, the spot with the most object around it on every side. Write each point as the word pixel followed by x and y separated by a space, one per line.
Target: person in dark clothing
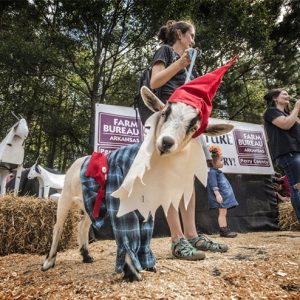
pixel 170 62
pixel 283 130
pixel 169 71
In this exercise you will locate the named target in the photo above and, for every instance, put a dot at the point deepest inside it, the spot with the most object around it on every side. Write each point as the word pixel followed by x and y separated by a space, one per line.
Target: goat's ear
pixel 38 169
pixel 217 129
pixel 150 100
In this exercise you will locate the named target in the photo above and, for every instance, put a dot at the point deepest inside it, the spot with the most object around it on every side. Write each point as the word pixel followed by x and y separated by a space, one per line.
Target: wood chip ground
pixel 263 265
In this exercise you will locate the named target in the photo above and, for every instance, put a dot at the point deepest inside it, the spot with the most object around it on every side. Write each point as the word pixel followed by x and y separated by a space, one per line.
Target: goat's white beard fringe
pixel 154 180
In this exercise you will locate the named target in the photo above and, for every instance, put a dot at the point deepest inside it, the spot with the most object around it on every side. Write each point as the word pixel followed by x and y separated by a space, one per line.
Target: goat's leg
pixel 83 238
pixel 3 189
pixel 40 191
pixel 127 234
pixel 18 179
pixel 46 191
pixel 126 229
pixel 63 207
pixel 3 182
pixel 145 255
pixel 130 272
pixel 41 187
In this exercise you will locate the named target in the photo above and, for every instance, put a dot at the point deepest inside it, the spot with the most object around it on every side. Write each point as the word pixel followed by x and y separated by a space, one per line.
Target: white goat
pixel 12 153
pixel 46 179
pixel 174 129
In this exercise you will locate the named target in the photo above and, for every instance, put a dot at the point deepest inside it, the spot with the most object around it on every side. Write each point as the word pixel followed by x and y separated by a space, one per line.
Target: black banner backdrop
pixel 257 210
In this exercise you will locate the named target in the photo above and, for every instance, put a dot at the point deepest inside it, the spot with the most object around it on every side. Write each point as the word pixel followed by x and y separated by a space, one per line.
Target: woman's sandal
pixel 207 244
pixel 182 249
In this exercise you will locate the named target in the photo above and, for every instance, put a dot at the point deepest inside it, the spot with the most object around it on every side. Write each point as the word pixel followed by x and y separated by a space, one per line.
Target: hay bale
pixel 287 217
pixel 26 225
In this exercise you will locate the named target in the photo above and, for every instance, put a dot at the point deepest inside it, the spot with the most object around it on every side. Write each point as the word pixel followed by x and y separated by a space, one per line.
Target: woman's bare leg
pixel 188 218
pixel 174 224
pixel 222 217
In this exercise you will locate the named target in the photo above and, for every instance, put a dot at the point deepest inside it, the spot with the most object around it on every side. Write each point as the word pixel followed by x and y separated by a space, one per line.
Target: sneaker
pixel 226 232
pixel 182 249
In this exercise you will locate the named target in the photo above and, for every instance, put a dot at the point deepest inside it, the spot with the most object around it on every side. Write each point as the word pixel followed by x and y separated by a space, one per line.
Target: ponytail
pixel 168 33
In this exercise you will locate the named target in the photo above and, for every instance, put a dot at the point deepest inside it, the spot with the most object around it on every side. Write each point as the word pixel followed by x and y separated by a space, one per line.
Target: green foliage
pixel 60 57
pixel 267 47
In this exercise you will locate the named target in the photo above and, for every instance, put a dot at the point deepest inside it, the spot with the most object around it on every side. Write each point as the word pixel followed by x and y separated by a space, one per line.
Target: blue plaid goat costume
pixel 132 233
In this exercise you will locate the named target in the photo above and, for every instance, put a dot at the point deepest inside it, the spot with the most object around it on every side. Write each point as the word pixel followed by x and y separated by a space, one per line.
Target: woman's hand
pixel 297 105
pixel 161 74
pixel 219 198
pixel 184 60
pixel 286 123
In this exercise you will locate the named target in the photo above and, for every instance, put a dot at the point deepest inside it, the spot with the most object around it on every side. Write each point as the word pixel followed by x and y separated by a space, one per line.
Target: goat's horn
pixel 21 117
pixel 15 115
pixel 37 160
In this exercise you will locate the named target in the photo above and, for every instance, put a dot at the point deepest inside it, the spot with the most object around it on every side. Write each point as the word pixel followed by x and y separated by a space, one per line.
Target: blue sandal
pixel 207 244
pixel 182 249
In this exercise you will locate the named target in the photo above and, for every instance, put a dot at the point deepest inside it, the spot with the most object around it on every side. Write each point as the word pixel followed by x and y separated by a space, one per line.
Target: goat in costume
pixel 134 189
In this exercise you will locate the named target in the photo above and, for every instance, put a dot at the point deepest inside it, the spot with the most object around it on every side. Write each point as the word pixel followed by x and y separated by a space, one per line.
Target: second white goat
pixel 46 180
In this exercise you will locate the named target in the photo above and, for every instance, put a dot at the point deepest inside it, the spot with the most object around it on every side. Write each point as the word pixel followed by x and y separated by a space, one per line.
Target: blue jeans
pixel 291 165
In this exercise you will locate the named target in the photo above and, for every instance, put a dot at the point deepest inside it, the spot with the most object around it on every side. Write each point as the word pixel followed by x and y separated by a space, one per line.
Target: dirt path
pixel 264 265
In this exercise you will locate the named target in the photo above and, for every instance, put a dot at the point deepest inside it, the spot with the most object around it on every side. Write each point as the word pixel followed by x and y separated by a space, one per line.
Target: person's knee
pixel 296 186
pixel 222 211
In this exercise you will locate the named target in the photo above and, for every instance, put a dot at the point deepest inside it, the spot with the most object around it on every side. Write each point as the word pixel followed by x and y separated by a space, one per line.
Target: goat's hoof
pixel 129 275
pixel 46 266
pixel 153 269
pixel 88 260
pixel 132 278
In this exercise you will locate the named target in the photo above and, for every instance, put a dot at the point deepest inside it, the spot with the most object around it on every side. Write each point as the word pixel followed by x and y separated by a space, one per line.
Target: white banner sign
pixel 116 126
pixel 244 149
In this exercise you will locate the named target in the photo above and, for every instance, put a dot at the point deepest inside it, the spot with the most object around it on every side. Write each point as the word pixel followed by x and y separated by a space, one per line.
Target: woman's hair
pixel 271 95
pixel 270 98
pixel 215 152
pixel 168 32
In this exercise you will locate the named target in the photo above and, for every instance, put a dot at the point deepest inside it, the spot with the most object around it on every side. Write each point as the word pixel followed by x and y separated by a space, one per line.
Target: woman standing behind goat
pixel 283 131
pixel 169 71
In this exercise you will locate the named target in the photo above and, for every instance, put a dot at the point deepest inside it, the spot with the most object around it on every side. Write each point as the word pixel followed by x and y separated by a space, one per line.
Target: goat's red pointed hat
pixel 200 92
